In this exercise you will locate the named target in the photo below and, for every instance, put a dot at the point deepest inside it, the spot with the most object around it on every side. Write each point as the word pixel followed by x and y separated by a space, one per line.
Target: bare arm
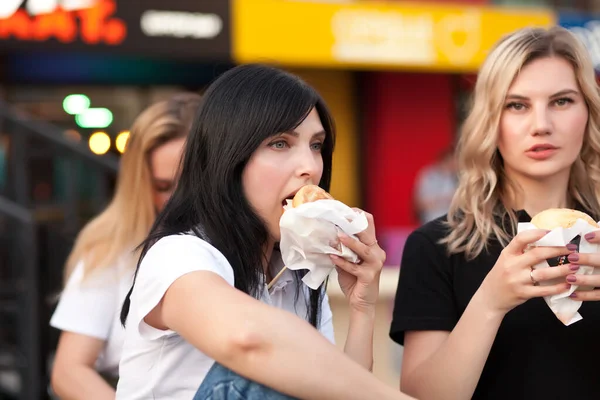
pixel 442 365
pixel 256 340
pixel 359 342
pixel 360 284
pixel 73 373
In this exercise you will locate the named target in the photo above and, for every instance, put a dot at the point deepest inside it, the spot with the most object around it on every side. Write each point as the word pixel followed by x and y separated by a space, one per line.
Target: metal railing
pixel 35 239
pixel 19 297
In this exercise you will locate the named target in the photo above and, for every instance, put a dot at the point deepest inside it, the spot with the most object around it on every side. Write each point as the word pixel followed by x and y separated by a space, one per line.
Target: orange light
pixel 121 141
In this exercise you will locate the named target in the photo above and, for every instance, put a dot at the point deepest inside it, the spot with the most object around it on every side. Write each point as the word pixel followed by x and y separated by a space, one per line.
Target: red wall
pixel 409 119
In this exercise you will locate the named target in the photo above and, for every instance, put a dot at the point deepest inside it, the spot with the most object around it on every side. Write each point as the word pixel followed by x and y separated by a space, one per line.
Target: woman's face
pixel 164 163
pixel 543 122
pixel 281 166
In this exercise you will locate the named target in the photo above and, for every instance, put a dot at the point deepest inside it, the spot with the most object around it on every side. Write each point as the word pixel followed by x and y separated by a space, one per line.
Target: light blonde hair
pixel 128 218
pixel 478 211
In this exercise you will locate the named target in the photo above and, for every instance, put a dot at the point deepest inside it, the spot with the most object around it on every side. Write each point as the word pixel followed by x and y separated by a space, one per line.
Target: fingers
pixel 593 237
pixel 357 270
pixel 591 259
pixel 543 291
pixel 369 254
pixel 539 254
pixel 587 295
pixel 546 274
pixel 367 236
pixel 349 267
pixel 584 280
pixel 521 240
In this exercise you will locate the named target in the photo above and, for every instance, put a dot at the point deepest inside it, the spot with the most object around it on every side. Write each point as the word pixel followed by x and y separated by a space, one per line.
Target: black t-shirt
pixel 534 356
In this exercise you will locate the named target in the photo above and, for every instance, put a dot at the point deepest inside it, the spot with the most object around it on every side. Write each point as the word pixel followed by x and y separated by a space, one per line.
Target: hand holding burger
pixel 566 218
pixel 358 281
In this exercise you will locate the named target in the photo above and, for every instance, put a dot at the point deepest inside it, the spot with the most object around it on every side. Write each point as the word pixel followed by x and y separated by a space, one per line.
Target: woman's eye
pixel 516 106
pixel 563 101
pixel 317 146
pixel 280 144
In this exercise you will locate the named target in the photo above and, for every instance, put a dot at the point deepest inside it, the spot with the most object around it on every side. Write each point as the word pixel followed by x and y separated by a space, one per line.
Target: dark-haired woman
pixel 200 299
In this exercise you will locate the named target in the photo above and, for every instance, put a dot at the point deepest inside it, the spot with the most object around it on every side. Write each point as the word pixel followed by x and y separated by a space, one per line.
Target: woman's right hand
pixel 511 280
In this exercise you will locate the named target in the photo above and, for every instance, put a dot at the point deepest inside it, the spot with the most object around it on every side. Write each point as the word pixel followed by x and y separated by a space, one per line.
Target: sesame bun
pixel 310 193
pixel 560 218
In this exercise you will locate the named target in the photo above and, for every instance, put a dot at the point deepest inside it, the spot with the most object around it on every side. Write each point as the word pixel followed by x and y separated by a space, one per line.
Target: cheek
pixel 320 173
pixel 260 181
pixel 512 131
pixel 572 128
pixel 579 127
pixel 505 132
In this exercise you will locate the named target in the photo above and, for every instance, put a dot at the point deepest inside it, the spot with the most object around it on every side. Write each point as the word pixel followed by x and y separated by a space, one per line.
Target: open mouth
pixel 285 201
pixel 290 197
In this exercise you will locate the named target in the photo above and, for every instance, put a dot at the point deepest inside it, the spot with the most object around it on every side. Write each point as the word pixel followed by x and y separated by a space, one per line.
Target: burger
pixel 310 193
pixel 562 218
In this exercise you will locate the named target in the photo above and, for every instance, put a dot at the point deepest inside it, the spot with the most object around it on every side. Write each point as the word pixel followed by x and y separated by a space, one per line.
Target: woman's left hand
pixel 592 260
pixel 360 281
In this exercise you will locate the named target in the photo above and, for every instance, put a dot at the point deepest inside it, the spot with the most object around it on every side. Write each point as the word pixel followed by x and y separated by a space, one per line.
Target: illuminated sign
pixel 183 29
pixel 91 22
pixel 365 34
pixel 37 7
pixel 181 24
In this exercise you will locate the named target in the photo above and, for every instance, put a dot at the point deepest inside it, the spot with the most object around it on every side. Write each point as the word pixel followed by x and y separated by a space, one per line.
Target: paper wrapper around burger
pixel 309 233
pixel 564 307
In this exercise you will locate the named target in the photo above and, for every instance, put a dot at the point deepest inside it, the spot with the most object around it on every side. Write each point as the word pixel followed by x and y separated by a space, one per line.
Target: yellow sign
pixel 378 34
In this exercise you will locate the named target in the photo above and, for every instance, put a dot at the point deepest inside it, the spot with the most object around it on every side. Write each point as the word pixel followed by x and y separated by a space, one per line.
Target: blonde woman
pixel 100 268
pixel 468 311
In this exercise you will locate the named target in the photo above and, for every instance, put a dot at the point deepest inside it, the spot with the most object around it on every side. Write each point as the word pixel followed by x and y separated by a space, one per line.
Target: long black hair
pixel 242 108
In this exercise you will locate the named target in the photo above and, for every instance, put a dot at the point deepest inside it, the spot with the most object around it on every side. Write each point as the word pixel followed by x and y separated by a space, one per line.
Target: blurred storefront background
pixel 396 74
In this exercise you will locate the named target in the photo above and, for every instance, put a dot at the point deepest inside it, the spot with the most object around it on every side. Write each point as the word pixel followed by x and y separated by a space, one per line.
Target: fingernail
pixel 571 278
pixel 573 257
pixel 572 246
pixel 573 295
pixel 574 267
pixel 342 235
pixel 589 236
pixel 333 257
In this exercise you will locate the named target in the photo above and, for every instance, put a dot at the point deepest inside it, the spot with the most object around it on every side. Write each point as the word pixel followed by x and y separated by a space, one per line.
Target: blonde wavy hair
pixel 128 218
pixel 479 210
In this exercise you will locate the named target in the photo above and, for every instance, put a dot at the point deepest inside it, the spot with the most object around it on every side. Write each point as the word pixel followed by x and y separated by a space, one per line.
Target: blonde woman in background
pixel 469 310
pixel 100 268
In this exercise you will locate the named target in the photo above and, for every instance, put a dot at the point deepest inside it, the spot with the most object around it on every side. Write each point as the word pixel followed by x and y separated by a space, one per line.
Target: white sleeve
pixel 167 260
pixel 326 323
pixel 87 307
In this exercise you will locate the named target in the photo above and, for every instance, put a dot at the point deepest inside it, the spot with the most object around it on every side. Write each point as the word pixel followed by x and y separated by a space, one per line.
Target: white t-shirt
pixel 92 307
pixel 159 364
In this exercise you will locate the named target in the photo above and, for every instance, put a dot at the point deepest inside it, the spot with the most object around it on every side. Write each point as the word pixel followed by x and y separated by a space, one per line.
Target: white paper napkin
pixel 564 307
pixel 309 233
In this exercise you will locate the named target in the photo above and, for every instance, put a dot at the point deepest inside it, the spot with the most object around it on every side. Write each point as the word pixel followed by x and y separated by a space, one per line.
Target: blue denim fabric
pixel 223 384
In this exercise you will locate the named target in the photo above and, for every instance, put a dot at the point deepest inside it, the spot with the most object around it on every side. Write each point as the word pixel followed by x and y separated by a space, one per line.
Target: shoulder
pixel 176 247
pixel 178 254
pixel 431 233
pixel 82 278
pixel 425 250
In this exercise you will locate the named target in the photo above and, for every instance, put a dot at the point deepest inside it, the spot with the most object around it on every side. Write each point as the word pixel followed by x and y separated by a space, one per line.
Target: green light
pixel 76 103
pixel 94 118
